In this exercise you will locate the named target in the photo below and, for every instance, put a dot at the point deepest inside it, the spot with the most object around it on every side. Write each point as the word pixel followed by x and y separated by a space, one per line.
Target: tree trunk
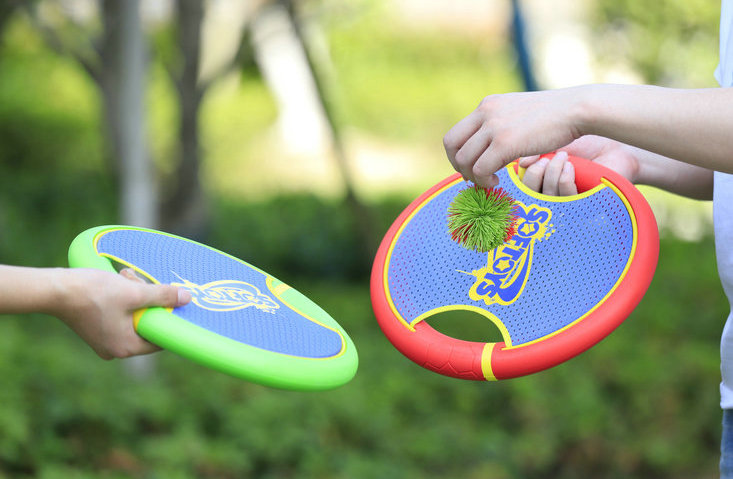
pixel 364 222
pixel 185 210
pixel 123 80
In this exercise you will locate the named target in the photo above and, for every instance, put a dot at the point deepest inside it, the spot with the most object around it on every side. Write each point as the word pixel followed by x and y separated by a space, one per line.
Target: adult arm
pixel 555 176
pixel 692 127
pixel 97 305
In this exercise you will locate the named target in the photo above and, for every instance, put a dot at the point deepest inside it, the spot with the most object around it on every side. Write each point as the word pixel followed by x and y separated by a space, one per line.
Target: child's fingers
pixel 527 161
pixel 550 183
pixel 535 173
pixel 566 185
pixel 551 176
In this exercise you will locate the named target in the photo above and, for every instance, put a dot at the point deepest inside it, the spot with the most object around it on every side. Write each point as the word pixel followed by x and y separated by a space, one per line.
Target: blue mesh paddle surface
pixel 230 297
pixel 552 272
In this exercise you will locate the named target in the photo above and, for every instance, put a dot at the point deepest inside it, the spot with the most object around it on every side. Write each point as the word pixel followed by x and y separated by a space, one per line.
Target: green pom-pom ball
pixel 481 219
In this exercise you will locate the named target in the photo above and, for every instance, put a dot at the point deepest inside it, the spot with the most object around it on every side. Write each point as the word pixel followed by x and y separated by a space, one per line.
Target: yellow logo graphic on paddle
pixel 504 277
pixel 228 295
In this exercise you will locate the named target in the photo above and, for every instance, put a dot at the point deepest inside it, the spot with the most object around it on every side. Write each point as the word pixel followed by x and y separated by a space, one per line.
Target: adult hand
pixel 505 127
pixel 99 306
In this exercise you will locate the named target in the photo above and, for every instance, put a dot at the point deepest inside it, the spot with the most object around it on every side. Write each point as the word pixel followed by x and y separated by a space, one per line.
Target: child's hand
pixel 551 176
pixel 556 176
pixel 98 306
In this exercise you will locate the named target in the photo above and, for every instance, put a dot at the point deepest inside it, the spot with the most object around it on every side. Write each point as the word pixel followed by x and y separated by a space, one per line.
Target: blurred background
pixel 291 134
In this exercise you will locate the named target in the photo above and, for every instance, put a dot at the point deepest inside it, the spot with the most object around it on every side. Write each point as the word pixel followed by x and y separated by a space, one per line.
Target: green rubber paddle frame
pixel 162 327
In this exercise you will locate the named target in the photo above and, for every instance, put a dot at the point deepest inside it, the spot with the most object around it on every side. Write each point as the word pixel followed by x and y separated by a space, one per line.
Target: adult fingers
pixel 127 346
pixel 130 274
pixel 157 295
pixel 457 136
pixel 165 295
pixel 496 156
pixel 143 347
pixel 469 154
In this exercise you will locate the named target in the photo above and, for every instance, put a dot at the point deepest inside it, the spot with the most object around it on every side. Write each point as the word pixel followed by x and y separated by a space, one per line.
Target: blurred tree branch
pixel 362 214
pixel 7 8
pixel 53 38
pixel 184 209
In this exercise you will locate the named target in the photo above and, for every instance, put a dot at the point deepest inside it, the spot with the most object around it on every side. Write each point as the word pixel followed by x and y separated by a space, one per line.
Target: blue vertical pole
pixel 521 47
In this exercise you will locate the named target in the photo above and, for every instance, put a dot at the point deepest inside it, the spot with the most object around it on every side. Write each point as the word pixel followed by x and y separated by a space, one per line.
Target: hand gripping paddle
pixel 241 321
pixel 573 271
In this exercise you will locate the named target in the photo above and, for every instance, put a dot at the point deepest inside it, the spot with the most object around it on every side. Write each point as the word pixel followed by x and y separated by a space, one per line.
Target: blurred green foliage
pixel 642 404
pixel 53 178
pixel 670 43
pixel 410 84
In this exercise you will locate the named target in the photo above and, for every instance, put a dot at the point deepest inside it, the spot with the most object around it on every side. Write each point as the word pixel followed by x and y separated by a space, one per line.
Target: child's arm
pixel 692 126
pixel 97 305
pixel 555 176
